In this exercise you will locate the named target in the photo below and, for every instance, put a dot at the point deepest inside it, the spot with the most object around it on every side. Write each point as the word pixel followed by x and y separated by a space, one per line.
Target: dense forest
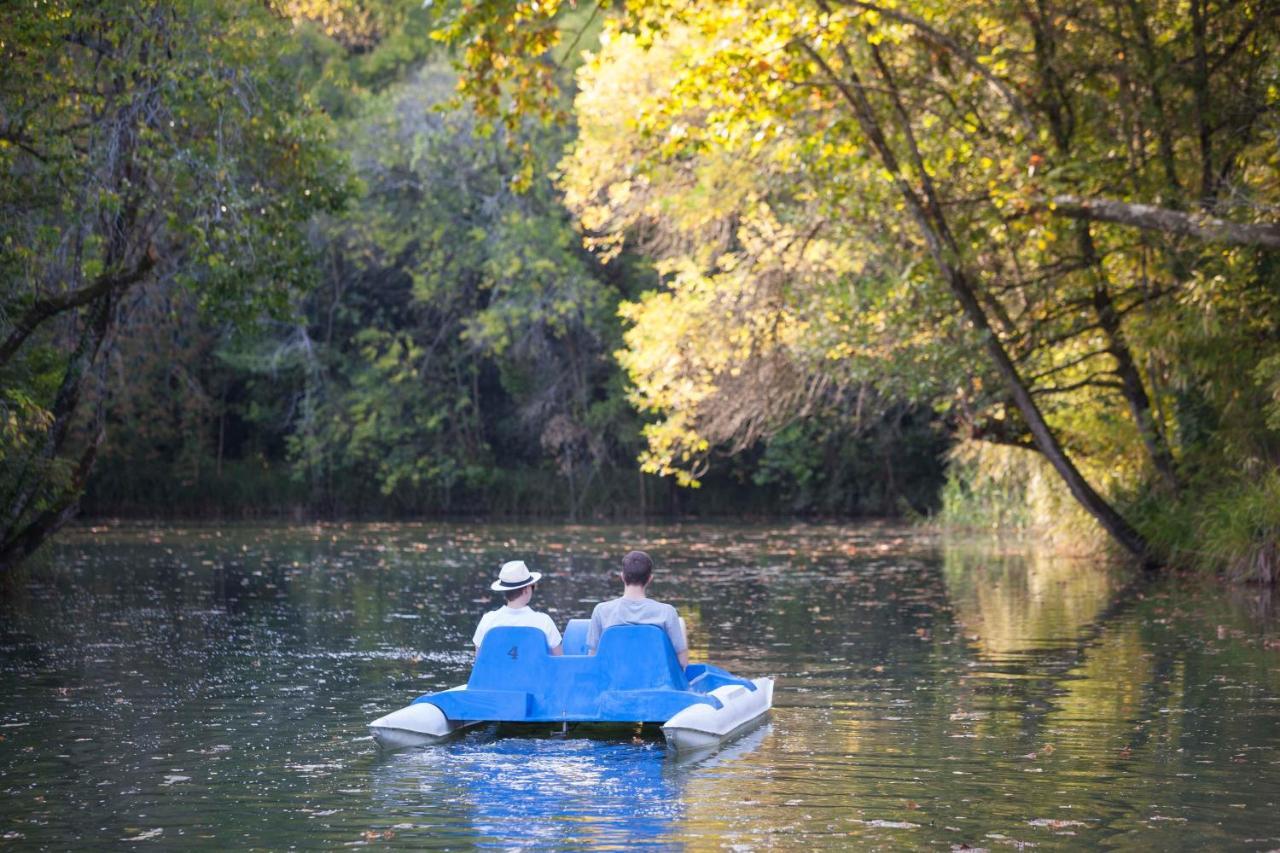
pixel 1017 262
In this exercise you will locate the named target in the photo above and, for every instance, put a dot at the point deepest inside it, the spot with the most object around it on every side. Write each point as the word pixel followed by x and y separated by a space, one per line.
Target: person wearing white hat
pixel 517 583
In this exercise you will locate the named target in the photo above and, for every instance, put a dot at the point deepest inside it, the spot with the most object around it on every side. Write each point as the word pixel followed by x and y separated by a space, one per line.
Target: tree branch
pixel 1265 235
pixel 1091 382
pixel 1067 365
pixel 946 42
pixel 51 306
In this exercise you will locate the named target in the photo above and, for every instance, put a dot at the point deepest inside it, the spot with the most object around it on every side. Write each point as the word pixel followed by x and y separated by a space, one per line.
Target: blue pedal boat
pixel 634 677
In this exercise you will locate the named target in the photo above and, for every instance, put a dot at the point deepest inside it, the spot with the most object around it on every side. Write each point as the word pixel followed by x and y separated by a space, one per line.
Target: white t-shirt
pixel 518 617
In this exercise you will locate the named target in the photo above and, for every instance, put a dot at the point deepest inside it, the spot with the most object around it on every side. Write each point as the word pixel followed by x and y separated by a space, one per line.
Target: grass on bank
pixel 1223 521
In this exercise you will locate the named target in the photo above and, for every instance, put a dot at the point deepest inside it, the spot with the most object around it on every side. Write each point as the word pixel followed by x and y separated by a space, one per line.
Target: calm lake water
pixel 209 687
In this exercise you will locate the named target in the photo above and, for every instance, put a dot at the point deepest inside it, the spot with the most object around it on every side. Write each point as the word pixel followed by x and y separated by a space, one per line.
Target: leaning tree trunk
pixel 24 530
pixel 25 540
pixel 1045 440
pixel 929 216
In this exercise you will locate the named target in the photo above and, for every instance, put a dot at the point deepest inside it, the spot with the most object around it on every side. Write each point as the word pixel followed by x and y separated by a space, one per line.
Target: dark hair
pixel 637 568
pixel 513 594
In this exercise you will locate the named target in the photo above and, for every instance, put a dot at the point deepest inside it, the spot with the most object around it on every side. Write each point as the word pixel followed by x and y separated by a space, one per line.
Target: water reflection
pixel 549 792
pixel 1013 604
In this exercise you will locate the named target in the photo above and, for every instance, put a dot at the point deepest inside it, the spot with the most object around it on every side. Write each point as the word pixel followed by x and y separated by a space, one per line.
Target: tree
pixel 461 333
pixel 948 133
pixel 140 141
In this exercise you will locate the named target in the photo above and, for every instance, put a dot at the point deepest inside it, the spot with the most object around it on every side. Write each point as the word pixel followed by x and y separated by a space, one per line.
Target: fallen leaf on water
pixel 146 836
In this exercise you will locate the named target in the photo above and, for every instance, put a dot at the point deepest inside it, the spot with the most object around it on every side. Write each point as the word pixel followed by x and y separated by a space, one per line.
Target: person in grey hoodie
pixel 635 608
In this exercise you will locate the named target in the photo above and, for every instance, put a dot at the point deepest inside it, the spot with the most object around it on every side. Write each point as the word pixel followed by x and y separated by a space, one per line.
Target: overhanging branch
pixel 51 306
pixel 1152 218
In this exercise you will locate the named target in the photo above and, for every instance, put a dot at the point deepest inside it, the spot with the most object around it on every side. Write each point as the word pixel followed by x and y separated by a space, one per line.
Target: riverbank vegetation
pixel 743 257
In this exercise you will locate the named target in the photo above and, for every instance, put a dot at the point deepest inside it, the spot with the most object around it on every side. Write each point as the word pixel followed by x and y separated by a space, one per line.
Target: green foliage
pixel 453 349
pixel 749 267
pixel 1228 524
pixel 461 329
pixel 819 465
pixel 178 124
pixel 344 52
pixel 140 140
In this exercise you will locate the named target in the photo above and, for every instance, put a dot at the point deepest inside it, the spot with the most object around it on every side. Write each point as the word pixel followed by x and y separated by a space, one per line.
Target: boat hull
pixel 419 724
pixel 698 727
pixel 703 727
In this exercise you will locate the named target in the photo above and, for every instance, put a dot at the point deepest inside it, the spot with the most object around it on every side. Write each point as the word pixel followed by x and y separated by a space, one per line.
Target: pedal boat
pixel 634 677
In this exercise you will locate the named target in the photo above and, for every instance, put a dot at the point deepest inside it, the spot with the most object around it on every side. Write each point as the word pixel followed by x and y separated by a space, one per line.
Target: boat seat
pixel 575 636
pixel 510 659
pixel 639 657
pixel 635 676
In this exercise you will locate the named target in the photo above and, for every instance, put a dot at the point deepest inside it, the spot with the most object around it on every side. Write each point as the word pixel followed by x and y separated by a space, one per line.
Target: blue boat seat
pixel 634 676
pixel 575 637
pixel 640 657
pixel 510 659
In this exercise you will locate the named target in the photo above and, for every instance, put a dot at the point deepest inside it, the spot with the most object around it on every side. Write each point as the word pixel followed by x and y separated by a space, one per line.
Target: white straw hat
pixel 514 575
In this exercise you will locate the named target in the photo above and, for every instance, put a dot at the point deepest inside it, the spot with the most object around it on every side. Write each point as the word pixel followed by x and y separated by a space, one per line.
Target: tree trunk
pixel 1046 442
pixel 1134 392
pixel 644 510
pixel 29 482
pixel 23 543
pixel 20 537
pixel 930 218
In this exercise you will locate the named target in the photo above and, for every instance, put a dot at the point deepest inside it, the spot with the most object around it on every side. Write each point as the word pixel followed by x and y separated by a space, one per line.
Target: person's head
pixel 519 597
pixel 516 583
pixel 637 569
